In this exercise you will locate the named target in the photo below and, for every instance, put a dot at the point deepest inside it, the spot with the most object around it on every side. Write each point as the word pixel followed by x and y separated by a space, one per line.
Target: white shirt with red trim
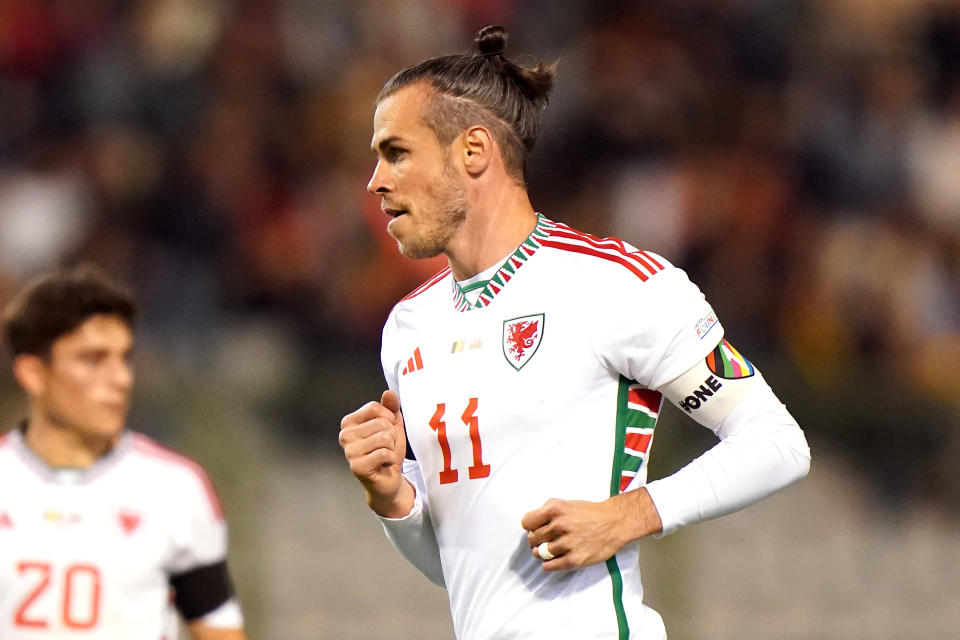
pixel 543 379
pixel 541 388
pixel 88 553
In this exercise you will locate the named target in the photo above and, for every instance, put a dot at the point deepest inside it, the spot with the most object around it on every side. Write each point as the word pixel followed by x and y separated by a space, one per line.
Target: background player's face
pixel 86 383
pixel 420 187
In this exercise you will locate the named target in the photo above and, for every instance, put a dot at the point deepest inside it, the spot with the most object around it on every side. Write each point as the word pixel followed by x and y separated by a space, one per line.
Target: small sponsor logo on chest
pixel 61 518
pixel 459 346
pixel 415 363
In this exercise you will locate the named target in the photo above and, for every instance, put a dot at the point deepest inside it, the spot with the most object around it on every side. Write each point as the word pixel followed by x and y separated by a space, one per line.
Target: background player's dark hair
pixel 54 304
pixel 483 88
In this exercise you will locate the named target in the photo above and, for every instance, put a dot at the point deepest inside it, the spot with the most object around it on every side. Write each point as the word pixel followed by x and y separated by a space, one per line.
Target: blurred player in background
pixel 102 530
pixel 508 458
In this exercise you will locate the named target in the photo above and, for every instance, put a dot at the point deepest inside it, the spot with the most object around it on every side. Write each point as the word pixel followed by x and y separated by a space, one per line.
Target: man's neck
pixel 60 447
pixel 494 227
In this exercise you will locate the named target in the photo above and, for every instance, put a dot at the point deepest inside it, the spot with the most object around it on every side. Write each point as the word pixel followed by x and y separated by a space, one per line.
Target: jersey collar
pixel 506 271
pixel 68 475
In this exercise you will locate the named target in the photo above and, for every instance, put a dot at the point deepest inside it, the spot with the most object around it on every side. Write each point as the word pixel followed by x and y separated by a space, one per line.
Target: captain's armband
pixel 712 388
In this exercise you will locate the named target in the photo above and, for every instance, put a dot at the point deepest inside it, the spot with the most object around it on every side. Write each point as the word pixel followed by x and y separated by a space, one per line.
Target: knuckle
pixel 373 407
pixel 350 453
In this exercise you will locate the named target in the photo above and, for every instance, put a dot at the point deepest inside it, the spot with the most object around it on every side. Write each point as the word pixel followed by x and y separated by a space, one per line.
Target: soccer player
pixel 101 529
pixel 508 458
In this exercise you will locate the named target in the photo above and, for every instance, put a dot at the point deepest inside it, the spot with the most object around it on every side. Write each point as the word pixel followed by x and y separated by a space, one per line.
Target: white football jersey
pixel 88 553
pixel 540 388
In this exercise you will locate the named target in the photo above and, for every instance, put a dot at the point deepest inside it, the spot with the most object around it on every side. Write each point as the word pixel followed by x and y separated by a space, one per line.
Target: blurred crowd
pixel 799 158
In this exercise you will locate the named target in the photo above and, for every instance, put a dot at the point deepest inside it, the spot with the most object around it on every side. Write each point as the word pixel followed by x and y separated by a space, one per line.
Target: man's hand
pixel 374 443
pixel 200 631
pixel 580 533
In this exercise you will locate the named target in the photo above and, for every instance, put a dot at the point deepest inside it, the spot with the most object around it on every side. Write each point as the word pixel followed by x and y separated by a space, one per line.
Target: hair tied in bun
pixel 491 41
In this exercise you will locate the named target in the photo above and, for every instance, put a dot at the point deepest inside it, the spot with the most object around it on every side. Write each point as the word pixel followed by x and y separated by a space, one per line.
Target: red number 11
pixel 469 418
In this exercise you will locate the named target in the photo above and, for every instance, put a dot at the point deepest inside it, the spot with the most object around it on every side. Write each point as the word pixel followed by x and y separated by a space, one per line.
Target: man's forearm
pixel 640 515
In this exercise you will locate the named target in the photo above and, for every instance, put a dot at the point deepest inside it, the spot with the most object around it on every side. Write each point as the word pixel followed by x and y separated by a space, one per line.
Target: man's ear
pixel 31 373
pixel 478 150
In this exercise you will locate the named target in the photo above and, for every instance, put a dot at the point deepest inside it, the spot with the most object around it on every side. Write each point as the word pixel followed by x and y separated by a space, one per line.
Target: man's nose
pixel 379 182
pixel 122 375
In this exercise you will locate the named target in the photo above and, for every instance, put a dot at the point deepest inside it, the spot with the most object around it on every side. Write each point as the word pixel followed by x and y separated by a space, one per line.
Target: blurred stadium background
pixel 800 158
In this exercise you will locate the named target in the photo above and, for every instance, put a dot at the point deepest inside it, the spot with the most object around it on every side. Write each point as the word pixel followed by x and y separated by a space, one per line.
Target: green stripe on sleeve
pixel 618 459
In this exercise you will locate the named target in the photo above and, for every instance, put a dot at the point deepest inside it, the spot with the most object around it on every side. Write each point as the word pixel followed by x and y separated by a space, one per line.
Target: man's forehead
pixel 399 115
pixel 98 329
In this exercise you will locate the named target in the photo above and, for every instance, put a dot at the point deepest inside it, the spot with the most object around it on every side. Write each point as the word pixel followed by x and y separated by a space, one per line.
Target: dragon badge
pixel 521 337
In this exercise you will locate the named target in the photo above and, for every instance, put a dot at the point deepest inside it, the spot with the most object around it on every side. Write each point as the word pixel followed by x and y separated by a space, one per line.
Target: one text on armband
pixel 699 396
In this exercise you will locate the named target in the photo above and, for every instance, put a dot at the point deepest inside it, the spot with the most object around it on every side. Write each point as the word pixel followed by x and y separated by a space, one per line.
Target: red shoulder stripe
pixel 152 448
pixel 570 232
pixel 613 245
pixel 426 285
pixel 633 268
pixel 651 259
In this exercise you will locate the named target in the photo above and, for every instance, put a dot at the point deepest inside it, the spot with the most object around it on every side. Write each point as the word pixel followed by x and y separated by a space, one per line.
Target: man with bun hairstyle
pixel 103 532
pixel 508 458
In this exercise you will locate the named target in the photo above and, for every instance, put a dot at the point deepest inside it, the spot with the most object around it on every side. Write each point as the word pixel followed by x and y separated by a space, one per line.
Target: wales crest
pixel 521 337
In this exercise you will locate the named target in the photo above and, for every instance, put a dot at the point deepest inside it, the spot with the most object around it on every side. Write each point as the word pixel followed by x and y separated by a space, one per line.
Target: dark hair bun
pixel 491 40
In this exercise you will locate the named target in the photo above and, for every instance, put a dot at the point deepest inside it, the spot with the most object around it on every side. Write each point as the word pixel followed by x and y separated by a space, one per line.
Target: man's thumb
pixel 390 400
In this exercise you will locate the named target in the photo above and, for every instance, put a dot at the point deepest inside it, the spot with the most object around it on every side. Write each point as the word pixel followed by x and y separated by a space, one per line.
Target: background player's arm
pixel 201 631
pixel 203 592
pixel 204 596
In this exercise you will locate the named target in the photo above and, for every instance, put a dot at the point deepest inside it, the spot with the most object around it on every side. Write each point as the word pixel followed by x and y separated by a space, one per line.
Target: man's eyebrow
pixel 383 144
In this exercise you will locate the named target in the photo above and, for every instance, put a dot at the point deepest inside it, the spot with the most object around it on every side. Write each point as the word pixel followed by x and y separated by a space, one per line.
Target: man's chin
pixel 418 251
pixel 108 428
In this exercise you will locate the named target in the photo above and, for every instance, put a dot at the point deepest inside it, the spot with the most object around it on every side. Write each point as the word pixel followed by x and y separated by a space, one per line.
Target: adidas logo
pixel 415 363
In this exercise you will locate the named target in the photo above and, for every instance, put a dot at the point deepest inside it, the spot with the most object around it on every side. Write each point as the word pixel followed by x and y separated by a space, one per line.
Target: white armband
pixel 709 393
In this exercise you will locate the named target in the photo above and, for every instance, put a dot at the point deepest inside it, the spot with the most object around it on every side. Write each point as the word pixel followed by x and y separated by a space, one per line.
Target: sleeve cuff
pixel 663 493
pixel 226 616
pixel 414 518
